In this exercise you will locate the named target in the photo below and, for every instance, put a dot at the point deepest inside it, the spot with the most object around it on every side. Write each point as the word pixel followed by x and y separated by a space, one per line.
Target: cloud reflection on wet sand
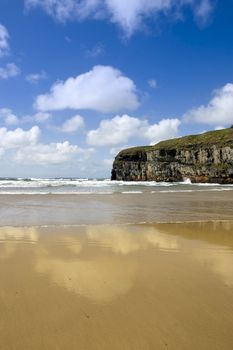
pixel 112 287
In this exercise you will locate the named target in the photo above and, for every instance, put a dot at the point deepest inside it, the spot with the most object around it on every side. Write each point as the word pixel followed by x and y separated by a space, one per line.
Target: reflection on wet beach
pixel 121 240
pixel 9 236
pixel 102 287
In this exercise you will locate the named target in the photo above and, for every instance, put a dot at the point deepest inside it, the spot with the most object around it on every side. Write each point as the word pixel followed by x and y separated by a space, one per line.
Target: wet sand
pixel 30 210
pixel 164 286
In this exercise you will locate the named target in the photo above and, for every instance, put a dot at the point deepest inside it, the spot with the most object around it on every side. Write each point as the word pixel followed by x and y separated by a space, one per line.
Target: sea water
pixel 99 186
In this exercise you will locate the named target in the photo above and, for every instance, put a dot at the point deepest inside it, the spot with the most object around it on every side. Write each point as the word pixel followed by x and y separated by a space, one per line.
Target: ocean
pixel 78 186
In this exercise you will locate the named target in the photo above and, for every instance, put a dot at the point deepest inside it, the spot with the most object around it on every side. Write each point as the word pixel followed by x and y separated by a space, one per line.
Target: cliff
pixel 201 158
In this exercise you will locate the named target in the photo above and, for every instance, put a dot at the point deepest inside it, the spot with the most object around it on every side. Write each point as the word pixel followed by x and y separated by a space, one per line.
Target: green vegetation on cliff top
pixel 220 138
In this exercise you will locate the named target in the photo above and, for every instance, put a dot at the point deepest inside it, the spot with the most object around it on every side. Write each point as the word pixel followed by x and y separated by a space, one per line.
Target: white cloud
pixel 10 139
pixel 73 124
pixel 40 117
pixel 219 111
pixel 120 129
pixel 9 71
pixel 28 149
pixel 8 116
pixel 104 89
pixel 114 131
pixel 4 38
pixel 49 154
pixel 152 83
pixel 165 129
pixel 130 15
pixel 36 77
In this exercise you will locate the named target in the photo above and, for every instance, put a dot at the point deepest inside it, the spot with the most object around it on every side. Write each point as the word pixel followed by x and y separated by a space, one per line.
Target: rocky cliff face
pixel 202 158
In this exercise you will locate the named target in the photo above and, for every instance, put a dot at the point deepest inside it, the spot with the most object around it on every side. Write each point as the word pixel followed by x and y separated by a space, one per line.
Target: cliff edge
pixel 201 158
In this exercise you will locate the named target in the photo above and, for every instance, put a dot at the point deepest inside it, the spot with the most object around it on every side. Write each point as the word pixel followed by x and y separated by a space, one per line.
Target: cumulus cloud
pixel 129 15
pixel 50 154
pixel 36 77
pixel 114 131
pixel 10 139
pixel 103 89
pixel 120 129
pixel 9 71
pixel 8 116
pixel 73 124
pixel 219 110
pixel 4 41
pixel 165 129
pixel 28 149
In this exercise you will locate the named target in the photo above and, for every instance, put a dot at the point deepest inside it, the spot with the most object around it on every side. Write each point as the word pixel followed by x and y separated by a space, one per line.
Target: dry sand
pixel 166 286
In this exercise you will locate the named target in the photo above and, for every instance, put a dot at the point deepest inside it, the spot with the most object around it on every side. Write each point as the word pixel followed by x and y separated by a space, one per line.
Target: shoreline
pixel 96 209
pixel 130 224
pixel 118 193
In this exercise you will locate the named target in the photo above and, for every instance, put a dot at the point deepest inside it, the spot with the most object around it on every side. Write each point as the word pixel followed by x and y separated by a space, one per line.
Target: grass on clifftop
pixel 219 137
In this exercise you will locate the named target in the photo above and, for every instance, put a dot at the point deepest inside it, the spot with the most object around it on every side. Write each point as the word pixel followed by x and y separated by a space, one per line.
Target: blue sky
pixel 82 79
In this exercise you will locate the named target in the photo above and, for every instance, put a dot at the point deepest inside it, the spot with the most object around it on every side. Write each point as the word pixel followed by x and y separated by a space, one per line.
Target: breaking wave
pixel 99 186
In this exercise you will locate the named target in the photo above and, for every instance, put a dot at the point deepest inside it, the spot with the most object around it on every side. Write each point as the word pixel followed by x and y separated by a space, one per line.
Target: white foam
pixel 131 192
pixel 95 186
pixel 187 181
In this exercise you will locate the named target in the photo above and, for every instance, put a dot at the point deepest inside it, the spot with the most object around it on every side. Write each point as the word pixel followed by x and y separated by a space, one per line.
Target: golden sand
pixel 167 286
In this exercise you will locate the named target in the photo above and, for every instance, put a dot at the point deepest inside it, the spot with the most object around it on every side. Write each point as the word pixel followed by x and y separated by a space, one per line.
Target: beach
pixel 117 208
pixel 116 178
pixel 116 271
pixel 160 286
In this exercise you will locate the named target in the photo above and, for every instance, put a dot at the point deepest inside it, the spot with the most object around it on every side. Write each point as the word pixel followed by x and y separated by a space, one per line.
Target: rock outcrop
pixel 201 158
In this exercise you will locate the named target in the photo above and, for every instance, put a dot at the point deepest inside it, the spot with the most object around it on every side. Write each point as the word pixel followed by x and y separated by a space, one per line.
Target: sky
pixel 82 79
